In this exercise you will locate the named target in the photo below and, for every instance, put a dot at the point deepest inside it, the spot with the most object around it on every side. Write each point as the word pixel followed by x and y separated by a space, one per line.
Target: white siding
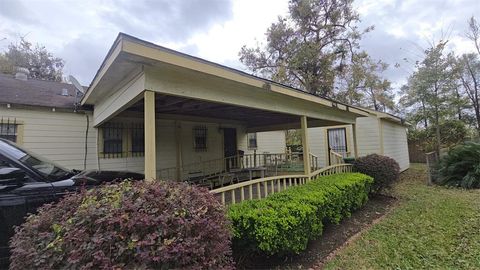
pixel 58 136
pixel 368 136
pixel 318 145
pixel 395 143
pixel 272 142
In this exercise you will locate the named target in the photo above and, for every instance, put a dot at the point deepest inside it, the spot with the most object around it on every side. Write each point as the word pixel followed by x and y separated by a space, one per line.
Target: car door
pixel 20 193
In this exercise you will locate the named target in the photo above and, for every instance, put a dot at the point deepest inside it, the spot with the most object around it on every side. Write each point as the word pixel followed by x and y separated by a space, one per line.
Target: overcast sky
pixel 81 32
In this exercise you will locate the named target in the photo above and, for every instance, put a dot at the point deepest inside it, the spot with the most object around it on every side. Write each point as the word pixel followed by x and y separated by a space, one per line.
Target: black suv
pixel 27 181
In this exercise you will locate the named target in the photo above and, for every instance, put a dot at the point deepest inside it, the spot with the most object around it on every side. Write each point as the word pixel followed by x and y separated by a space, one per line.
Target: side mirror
pixel 12 176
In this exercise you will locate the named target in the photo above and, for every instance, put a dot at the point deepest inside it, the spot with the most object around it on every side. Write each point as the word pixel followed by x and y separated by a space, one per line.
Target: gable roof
pixel 151 53
pixel 34 92
pixel 127 44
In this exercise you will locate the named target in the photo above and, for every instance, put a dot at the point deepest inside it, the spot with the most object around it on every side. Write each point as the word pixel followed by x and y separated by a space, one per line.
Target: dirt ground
pixel 333 238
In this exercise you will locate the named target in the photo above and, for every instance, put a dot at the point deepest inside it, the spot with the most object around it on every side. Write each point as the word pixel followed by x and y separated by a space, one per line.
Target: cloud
pixel 165 19
pixel 18 12
pixel 404 28
pixel 82 31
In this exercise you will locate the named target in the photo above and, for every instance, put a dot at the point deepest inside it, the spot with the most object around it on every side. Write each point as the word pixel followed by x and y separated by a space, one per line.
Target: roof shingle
pixel 36 92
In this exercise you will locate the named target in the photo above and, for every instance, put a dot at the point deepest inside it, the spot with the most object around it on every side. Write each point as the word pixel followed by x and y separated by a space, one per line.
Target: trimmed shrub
pixel 284 222
pixel 460 167
pixel 129 225
pixel 384 170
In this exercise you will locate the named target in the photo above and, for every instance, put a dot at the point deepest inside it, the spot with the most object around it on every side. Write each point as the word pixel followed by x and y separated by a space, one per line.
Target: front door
pixel 229 144
pixel 337 141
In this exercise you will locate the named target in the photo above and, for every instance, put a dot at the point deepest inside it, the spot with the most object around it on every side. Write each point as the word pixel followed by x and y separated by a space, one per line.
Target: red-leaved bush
pixel 384 170
pixel 130 225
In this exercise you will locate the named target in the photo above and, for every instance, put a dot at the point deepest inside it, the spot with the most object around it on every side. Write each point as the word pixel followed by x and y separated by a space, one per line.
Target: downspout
pixel 86 143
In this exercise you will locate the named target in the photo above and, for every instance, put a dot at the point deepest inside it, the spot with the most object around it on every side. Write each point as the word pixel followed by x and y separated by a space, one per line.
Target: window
pixel 8 130
pixel 11 174
pixel 112 140
pixel 138 140
pixel 252 140
pixel 200 138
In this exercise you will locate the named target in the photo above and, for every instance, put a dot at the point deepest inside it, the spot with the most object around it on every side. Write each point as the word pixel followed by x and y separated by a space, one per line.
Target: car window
pixel 49 169
pixel 6 176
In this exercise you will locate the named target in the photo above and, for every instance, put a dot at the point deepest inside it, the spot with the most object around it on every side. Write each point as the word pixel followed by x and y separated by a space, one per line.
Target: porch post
pixel 305 145
pixel 354 134
pixel 150 144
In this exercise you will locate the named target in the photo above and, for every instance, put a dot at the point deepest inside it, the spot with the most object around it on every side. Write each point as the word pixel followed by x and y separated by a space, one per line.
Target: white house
pixel 174 116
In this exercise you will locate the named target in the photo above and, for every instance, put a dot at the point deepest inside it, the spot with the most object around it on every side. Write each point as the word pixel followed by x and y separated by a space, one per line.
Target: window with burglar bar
pixel 113 140
pixel 200 138
pixel 138 140
pixel 8 129
pixel 252 140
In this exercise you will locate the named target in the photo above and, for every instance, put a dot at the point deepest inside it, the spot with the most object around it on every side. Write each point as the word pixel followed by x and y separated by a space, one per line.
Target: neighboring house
pixel 380 133
pixel 173 116
pixel 42 116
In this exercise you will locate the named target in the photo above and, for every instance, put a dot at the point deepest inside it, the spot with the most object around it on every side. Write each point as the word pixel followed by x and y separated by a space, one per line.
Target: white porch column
pixel 354 134
pixel 305 145
pixel 150 144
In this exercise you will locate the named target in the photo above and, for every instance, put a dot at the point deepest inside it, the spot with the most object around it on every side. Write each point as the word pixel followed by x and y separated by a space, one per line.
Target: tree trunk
pixel 424 112
pixel 437 119
pixel 459 108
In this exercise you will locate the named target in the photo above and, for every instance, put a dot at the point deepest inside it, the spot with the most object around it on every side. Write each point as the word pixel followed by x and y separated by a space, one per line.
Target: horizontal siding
pixel 395 143
pixel 58 136
pixel 268 142
pixel 368 136
pixel 318 145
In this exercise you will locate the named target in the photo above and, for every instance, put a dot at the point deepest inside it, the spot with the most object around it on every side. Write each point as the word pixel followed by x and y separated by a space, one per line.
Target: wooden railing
pixel 314 162
pixel 335 158
pixel 261 188
pixel 271 162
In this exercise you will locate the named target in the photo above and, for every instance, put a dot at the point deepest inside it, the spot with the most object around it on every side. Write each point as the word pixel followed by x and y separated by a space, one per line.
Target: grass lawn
pixel 431 228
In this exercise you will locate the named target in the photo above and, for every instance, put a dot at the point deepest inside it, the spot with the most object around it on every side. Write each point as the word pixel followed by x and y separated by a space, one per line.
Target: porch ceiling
pixel 253 119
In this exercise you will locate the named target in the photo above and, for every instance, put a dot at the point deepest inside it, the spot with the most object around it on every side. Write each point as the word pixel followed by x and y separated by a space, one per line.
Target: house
pixel 380 133
pixel 140 83
pixel 45 117
pixel 172 116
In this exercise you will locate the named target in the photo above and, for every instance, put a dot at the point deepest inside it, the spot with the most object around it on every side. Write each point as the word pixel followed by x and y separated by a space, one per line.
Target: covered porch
pixel 154 86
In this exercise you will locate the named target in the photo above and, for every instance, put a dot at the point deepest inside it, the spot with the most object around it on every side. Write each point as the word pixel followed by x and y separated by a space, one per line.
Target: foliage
pixel 362 83
pixel 284 222
pixel 384 170
pixel 469 68
pixel 431 227
pixel 37 59
pixel 309 47
pixel 430 91
pixel 461 166
pixel 138 225
pixel 293 138
pixel 452 132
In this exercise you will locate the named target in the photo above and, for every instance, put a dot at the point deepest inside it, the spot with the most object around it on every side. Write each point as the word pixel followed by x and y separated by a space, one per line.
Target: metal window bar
pixel 113 140
pixel 200 138
pixel 8 129
pixel 252 140
pixel 138 140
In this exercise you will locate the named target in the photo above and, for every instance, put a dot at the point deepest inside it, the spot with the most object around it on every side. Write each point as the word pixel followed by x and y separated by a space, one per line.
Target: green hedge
pixel 284 222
